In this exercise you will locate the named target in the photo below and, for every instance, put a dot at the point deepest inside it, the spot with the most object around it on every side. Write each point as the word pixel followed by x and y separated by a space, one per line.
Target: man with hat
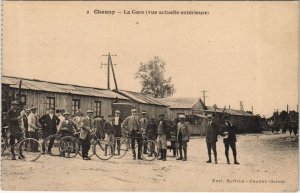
pixel 229 139
pixel 25 121
pixel 78 118
pixel 117 121
pixel 183 135
pixel 14 118
pixel 87 125
pixel 212 133
pixel 162 130
pixel 131 125
pixel 144 124
pixel 49 124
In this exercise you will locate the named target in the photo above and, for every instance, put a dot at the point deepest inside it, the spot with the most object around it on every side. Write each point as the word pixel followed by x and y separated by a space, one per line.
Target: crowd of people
pixel 136 127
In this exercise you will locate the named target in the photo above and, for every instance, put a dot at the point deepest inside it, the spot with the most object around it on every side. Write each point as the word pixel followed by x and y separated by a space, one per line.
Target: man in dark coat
pixel 49 123
pixel 14 118
pixel 117 121
pixel 151 134
pixel 212 132
pixel 228 132
pixel 162 132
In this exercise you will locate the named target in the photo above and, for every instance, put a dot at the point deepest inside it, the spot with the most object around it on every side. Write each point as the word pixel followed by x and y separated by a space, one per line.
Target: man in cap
pixel 151 134
pixel 87 125
pixel 183 135
pixel 61 116
pixel 144 124
pixel 33 125
pixel 14 119
pixel 131 125
pixel 162 130
pixel 49 124
pixel 212 133
pixel 109 131
pixel 117 121
pixel 229 139
pixel 78 118
pixel 25 121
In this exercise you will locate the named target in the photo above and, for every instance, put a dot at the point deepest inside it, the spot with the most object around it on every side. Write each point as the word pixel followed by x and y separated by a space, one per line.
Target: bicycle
pixel 54 149
pixel 151 146
pixel 27 149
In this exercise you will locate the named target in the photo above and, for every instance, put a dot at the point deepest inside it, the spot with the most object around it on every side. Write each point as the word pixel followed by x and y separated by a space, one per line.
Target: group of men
pixel 133 126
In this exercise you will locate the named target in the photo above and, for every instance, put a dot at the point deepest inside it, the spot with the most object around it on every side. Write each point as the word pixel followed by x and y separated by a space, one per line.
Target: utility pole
pixel 252 110
pixel 204 96
pixel 110 64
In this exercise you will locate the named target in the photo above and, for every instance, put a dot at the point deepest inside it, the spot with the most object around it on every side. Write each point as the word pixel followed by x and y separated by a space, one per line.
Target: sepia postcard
pixel 150 96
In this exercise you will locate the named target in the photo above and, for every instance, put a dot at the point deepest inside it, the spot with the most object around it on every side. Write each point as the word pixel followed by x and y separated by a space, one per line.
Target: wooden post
pixel 113 71
pixel 108 71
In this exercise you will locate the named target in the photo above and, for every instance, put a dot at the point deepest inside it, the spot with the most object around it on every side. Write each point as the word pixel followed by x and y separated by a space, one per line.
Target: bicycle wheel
pixel 103 149
pixel 3 144
pixel 54 149
pixel 120 151
pixel 153 149
pixel 29 149
pixel 68 147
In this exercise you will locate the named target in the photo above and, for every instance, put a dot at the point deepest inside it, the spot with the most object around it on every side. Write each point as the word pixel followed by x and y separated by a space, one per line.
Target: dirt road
pixel 268 163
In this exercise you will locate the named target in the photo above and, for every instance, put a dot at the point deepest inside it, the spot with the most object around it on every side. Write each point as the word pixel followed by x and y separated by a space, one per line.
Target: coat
pixel 185 130
pixel 130 123
pixel 69 127
pixel 151 131
pixel 49 126
pixel 231 136
pixel 99 125
pixel 32 122
pixel 212 132
pixel 144 123
pixel 118 129
pixel 87 125
pixel 77 121
pixel 13 121
pixel 109 128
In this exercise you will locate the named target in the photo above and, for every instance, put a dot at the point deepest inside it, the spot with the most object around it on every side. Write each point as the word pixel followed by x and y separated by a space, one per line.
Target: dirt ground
pixel 269 162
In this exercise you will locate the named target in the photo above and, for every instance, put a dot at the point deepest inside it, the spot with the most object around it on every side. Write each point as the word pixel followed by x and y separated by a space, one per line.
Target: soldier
pixel 109 131
pixel 151 134
pixel 131 126
pixel 183 135
pixel 229 139
pixel 49 124
pixel 87 125
pixel 162 131
pixel 14 119
pixel 211 137
pixel 144 123
pixel 117 121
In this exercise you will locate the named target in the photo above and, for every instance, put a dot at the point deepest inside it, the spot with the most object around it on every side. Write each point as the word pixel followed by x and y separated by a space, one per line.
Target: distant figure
pixel 271 124
pixel 14 119
pixel 131 126
pixel 228 132
pixel 211 137
pixel 183 135
pixel 49 124
pixel 117 121
pixel 173 134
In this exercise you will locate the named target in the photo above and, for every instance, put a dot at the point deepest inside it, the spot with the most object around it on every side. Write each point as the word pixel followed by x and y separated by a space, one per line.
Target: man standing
pixel 78 118
pixel 99 125
pixel 211 137
pixel 33 125
pixel 162 137
pixel 25 121
pixel 87 125
pixel 151 134
pixel 14 119
pixel 183 135
pixel 49 124
pixel 109 132
pixel 117 121
pixel 67 128
pixel 131 125
pixel 144 123
pixel 229 139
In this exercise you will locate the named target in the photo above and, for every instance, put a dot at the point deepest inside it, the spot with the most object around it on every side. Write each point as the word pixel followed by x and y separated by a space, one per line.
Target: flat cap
pixel 89 111
pixel 161 115
pixel 51 108
pixel 14 103
pixel 133 110
pixel 209 116
pixel 32 108
pixel 144 113
pixel 182 116
pixel 28 109
pixel 117 111
pixel 66 113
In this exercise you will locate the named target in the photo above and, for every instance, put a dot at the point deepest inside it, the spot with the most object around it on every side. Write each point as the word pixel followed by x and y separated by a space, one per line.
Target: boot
pixel 185 154
pixel 228 161
pixel 165 155
pixel 216 159
pixel 180 153
pixel 209 158
pixel 235 161
pixel 174 152
pixel 161 155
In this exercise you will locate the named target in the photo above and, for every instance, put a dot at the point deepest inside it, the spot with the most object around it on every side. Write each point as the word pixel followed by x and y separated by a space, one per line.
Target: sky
pixel 241 51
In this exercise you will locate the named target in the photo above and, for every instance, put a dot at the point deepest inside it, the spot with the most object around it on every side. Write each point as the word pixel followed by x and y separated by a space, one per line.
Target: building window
pixel 50 102
pixel 22 98
pixel 97 108
pixel 75 106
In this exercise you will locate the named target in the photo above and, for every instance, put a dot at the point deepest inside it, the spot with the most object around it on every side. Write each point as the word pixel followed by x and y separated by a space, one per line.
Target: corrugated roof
pixel 141 98
pixel 229 111
pixel 32 84
pixel 179 103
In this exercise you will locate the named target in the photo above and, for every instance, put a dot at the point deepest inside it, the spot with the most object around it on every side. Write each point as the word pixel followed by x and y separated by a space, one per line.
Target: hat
pixel 32 108
pixel 14 103
pixel 161 115
pixel 28 109
pixel 117 111
pixel 66 113
pixel 51 108
pixel 209 116
pixel 79 112
pixel 133 110
pixel 89 111
pixel 144 113
pixel 182 116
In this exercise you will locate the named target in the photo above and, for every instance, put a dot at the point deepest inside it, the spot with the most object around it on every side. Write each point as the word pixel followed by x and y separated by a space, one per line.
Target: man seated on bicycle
pixel 14 119
pixel 109 131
